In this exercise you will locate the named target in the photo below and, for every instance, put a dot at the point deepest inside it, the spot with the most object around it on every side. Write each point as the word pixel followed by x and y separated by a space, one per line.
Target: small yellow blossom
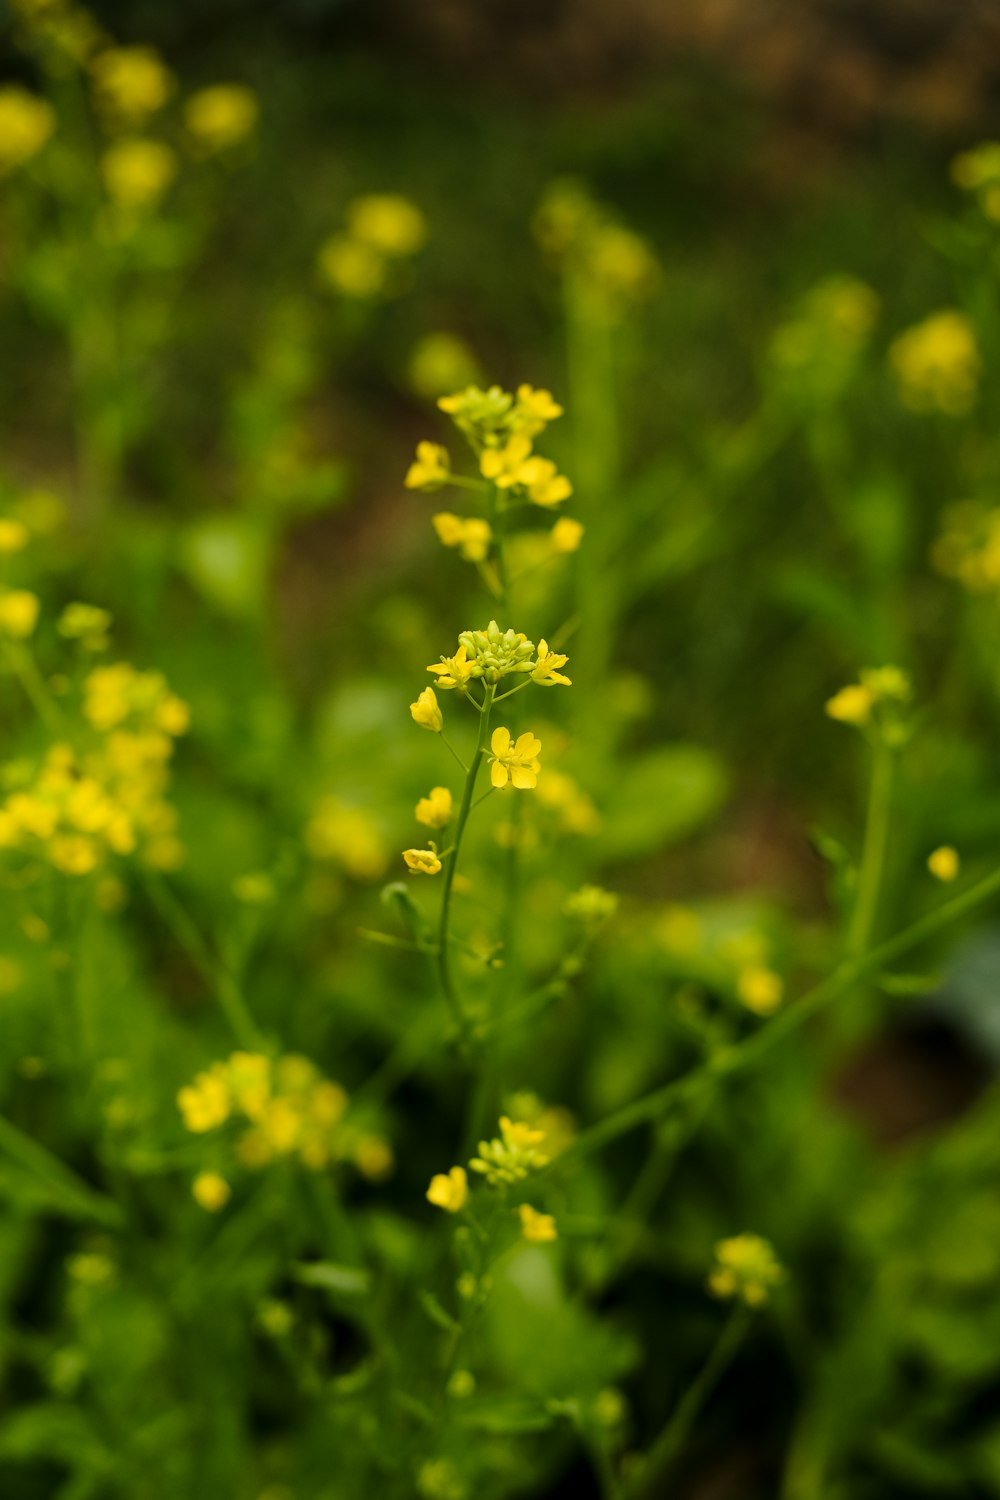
pixel 18 613
pixel 221 116
pixel 449 1191
pixel 388 223
pixel 87 624
pixel 137 173
pixel 538 1228
pixel 422 861
pixel 851 705
pixel 206 1102
pixel 13 536
pixel 26 123
pixel 373 1158
pixel 472 536
pixel 430 470
pixel 937 364
pixel 438 363
pixel 566 535
pixel 591 904
pixel 515 764
pixel 434 810
pixel 944 864
pixel 511 1156
pixel 349 836
pixel 454 671
pixel 746 1268
pixel 504 466
pixel 131 83
pixel 760 989
pixel 977 167
pixel 351 267
pixel 534 410
pixel 546 671
pixel 426 711
pixel 210 1191
pixel 545 485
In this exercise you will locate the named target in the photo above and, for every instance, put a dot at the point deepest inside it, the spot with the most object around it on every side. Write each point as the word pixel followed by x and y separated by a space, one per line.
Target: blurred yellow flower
pixel 937 364
pixel 545 671
pixel 434 810
pixel 746 1267
pixel 388 223
pixel 348 835
pixel 533 410
pixel 131 83
pixel 221 116
pixel 137 172
pixel 944 863
pixel 449 1190
pixel 430 469
pixel 504 465
pixel 210 1191
pixel 18 613
pixel 538 1228
pixel 511 1156
pixel 26 123
pixel 472 537
pixel 516 765
pixel 351 267
pixel 13 536
pixel 760 989
pixel 440 362
pixel 422 861
pixel 426 712
pixel 851 705
pixel 566 535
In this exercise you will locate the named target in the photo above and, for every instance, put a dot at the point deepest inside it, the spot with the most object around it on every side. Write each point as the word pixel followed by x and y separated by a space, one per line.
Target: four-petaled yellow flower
pixel 449 1190
pixel 534 410
pixel 516 764
pixel 505 466
pixel 472 537
pixel 454 671
pixel 430 469
pixel 422 861
pixel 426 711
pixel 545 485
pixel 538 1228
pixel 434 810
pixel 546 671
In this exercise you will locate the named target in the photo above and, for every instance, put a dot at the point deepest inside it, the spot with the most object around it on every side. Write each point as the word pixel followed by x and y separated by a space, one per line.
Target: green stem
pixel 666 1447
pixel 218 976
pixel 77 1197
pixel 443 954
pixel 498 521
pixel 744 1054
pixel 873 851
pixel 23 665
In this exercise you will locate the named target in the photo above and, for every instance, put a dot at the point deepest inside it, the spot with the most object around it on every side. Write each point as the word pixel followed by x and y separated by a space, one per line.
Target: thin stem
pixel 511 691
pixel 218 976
pixel 443 953
pixel 666 1446
pixel 744 1054
pixel 76 1196
pixel 873 850
pixel 498 520
pixel 36 689
pixel 449 746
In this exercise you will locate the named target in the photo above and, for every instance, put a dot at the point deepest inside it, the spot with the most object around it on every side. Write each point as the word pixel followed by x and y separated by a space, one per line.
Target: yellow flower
pixel 566 535
pixel 210 1191
pixel 18 613
pixel 591 904
pixel 515 764
pixel 351 267
pixel 546 671
pixel 944 863
pixel 205 1103
pixel 472 537
pixel 978 167
pixel 439 363
pixel 454 671
pixel 434 811
pixel 26 123
pixel 851 705
pixel 937 364
pixel 373 1158
pixel 760 989
pixel 747 1268
pixel 545 485
pixel 131 83
pixel 504 466
pixel 422 861
pixel 426 712
pixel 221 116
pixel 13 536
pixel 534 410
pixel 430 470
pixel 87 624
pixel 512 1155
pixel 449 1191
pixel 137 173
pixel 536 1227
pixel 348 835
pixel 388 223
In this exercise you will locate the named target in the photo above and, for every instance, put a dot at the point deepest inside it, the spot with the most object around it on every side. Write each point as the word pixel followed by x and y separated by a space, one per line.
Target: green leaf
pixel 348 1281
pixel 227 558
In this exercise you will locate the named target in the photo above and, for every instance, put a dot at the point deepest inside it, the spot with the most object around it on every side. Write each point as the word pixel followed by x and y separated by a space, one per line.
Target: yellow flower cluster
pixel 349 836
pixel 80 806
pixel 613 266
pixel 26 123
pixel 383 230
pixel 511 1156
pixel 137 172
pixel 492 654
pixel 287 1108
pixel 879 688
pixel 829 329
pixel 937 364
pixel 472 537
pixel 131 84
pixel 978 171
pixel 221 116
pixel 591 904
pixel 747 1268
pixel 968 548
